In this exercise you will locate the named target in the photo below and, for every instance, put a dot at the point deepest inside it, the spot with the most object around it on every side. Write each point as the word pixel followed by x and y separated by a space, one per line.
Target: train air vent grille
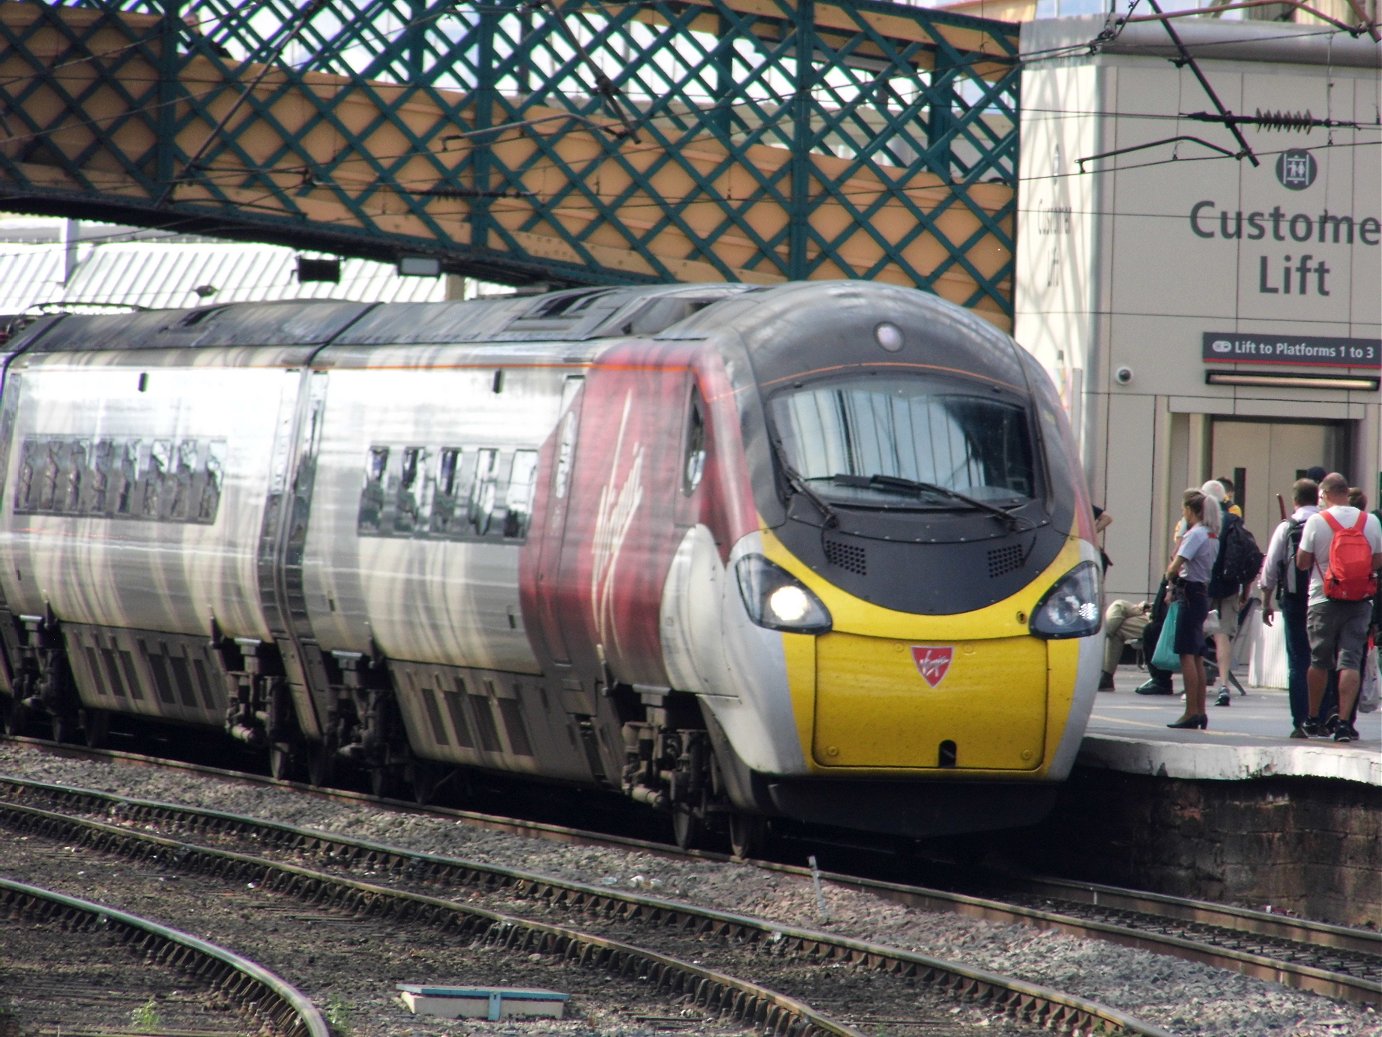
pixel 847 556
pixel 1004 560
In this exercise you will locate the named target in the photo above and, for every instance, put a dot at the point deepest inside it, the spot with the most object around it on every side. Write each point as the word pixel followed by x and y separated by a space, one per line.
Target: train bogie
pixel 815 551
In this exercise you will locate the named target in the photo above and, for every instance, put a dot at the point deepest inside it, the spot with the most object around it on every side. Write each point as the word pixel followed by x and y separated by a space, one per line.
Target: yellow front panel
pixel 876 707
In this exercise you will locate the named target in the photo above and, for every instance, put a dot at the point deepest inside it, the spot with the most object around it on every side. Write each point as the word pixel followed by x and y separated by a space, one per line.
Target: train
pixel 815 551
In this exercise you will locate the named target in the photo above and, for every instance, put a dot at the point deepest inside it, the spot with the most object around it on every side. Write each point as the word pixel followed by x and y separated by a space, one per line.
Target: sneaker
pixel 1298 732
pixel 1105 682
pixel 1152 687
pixel 1344 733
pixel 1332 724
pixel 1312 728
pixel 1225 699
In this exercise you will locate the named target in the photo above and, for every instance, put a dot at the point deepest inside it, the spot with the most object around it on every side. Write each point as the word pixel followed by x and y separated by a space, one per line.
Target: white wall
pixel 1147 279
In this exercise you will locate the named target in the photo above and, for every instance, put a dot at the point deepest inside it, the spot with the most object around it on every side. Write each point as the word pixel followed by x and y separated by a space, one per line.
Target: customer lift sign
pixel 1227 347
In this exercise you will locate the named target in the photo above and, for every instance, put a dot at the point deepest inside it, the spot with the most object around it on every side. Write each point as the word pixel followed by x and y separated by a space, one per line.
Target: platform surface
pixel 1249 739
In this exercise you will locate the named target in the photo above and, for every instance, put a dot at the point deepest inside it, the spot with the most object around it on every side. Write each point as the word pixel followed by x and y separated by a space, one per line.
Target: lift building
pixel 1200 262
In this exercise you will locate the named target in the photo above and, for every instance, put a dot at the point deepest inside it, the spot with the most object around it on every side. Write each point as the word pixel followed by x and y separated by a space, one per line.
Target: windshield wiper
pixel 798 482
pixel 897 482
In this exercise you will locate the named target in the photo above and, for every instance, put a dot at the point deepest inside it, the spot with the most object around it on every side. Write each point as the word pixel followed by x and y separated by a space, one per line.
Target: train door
pixel 1265 457
pixel 549 572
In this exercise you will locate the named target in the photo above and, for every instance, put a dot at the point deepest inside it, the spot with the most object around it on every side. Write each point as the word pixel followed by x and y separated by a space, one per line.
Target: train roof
pixel 786 331
pixel 573 315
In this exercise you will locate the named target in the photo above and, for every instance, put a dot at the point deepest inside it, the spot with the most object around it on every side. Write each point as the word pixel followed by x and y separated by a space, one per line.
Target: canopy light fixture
pixel 325 270
pixel 419 266
pixel 1360 383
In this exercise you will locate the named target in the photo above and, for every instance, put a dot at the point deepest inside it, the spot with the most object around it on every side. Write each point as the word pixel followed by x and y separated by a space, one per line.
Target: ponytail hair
pixel 1213 511
pixel 1213 516
pixel 1194 500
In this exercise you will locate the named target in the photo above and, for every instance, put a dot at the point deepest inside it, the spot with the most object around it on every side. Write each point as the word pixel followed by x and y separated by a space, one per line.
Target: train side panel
pixel 423 500
pixel 136 491
pixel 427 465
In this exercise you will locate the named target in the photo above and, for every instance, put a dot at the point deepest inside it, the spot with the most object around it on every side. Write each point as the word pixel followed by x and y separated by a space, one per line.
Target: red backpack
pixel 1349 576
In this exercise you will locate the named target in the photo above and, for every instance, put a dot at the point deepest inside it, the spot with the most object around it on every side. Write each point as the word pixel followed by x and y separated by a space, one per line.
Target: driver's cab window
pixel 693 459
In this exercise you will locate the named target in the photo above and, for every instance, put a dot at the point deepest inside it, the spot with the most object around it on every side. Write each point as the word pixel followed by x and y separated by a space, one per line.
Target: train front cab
pixel 930 512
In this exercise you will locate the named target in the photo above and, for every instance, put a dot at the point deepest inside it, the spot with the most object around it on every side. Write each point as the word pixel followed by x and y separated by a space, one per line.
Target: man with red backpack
pixel 1342 548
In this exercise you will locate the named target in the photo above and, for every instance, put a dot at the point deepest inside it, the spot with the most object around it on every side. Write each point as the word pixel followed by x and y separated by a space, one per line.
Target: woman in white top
pixel 1188 580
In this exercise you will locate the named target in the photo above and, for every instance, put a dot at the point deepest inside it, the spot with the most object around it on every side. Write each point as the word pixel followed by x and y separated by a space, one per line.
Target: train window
pixel 116 478
pixel 75 471
pixel 480 511
pixel 693 464
pixel 371 515
pixel 407 498
pixel 566 445
pixel 209 498
pixel 448 465
pixel 184 472
pixel 486 492
pixel 128 475
pixel 455 475
pixel 842 434
pixel 443 511
pixel 97 500
pixel 519 500
pixel 24 490
pixel 160 456
pixel 48 480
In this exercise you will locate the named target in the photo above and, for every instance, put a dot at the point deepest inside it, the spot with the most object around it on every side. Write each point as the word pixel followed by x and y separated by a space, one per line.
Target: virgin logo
pixel 933 663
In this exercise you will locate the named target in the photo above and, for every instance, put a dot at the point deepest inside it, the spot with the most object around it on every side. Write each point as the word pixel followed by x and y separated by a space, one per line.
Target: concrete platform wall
pixel 1294 845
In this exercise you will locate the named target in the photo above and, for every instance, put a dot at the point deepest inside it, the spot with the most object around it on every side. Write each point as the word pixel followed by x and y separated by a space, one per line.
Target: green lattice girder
pixel 563 141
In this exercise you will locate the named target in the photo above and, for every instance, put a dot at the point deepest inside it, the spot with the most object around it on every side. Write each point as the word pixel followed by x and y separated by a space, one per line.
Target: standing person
pixel 1337 621
pixel 1289 587
pixel 1188 576
pixel 1229 504
pixel 1158 681
pixel 1225 596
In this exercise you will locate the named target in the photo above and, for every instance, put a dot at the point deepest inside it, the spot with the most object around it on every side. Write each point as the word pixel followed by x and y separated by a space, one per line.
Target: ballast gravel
pixel 1184 998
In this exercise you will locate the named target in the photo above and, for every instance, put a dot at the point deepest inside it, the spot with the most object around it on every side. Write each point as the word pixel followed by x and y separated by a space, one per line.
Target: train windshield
pixel 914 442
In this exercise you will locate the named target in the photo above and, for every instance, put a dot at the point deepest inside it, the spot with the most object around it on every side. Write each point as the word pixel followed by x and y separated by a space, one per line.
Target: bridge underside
pixel 753 140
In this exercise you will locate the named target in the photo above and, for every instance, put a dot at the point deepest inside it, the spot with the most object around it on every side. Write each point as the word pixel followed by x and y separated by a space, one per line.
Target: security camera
pixel 1123 375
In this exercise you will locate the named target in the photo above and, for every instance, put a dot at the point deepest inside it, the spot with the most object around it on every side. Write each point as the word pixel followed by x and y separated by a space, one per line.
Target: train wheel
pixel 282 761
pixel 747 834
pixel 688 826
pixel 65 728
pixel 14 715
pixel 424 777
pixel 321 764
pixel 385 781
pixel 95 728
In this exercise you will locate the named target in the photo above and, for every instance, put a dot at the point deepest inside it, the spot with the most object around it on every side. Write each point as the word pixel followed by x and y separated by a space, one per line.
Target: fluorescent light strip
pixel 1360 383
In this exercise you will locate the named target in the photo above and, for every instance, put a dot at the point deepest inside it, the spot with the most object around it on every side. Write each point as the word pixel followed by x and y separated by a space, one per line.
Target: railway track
pixel 791 966
pixel 1340 963
pixel 342 921
pixel 1334 961
pixel 78 961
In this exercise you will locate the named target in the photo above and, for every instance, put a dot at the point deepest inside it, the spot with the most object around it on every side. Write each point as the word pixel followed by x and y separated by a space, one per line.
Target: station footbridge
pixel 559 142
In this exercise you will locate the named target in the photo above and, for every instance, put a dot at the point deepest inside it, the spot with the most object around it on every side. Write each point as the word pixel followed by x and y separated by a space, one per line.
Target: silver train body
pixel 818 551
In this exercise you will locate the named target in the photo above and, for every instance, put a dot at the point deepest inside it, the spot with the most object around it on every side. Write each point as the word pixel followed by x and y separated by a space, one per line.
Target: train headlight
pixel 778 600
pixel 1071 607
